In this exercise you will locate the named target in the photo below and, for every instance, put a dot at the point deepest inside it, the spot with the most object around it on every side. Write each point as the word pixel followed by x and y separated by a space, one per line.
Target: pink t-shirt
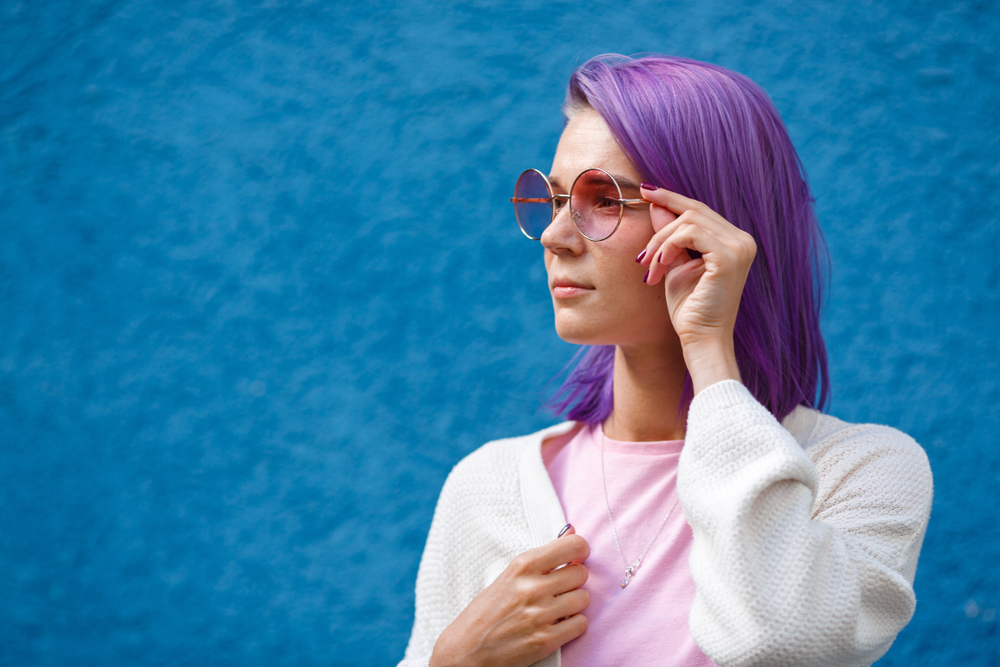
pixel 645 623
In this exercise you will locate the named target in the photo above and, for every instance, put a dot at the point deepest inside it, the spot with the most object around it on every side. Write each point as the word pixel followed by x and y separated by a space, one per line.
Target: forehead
pixel 587 142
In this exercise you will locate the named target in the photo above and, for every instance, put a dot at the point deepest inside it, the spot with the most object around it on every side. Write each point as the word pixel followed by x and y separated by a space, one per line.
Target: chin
pixel 581 331
pixel 621 327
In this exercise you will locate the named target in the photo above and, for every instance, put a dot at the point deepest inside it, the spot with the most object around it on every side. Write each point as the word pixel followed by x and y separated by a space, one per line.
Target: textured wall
pixel 260 288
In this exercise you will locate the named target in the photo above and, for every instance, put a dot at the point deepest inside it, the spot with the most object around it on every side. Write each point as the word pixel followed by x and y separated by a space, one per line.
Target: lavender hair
pixel 713 135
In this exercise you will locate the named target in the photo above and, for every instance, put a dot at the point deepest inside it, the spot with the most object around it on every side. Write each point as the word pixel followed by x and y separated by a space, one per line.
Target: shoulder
pixel 497 465
pixel 501 456
pixel 876 481
pixel 838 446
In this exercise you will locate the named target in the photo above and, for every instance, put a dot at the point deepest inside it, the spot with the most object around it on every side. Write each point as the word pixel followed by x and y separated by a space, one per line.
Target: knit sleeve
pixel 798 559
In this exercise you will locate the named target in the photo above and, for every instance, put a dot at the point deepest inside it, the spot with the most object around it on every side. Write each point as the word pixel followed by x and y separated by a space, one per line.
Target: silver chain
pixel 629 569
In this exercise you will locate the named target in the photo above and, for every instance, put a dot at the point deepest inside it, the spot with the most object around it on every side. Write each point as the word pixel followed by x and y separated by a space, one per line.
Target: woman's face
pixel 597 289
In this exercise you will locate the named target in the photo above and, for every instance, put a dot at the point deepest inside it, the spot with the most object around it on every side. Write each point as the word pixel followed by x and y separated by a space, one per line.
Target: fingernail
pixel 658 257
pixel 564 529
pixel 641 255
pixel 645 276
pixel 647 186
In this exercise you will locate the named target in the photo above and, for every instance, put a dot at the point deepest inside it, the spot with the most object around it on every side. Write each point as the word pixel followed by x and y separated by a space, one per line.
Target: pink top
pixel 645 623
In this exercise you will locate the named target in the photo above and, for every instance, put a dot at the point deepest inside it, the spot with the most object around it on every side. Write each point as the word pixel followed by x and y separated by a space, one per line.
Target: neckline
pixel 647 448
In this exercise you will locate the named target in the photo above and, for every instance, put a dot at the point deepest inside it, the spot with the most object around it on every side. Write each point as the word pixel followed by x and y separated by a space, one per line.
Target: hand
pixel 527 613
pixel 703 293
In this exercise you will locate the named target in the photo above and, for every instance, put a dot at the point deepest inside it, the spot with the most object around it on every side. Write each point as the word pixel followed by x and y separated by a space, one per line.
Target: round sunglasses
pixel 595 201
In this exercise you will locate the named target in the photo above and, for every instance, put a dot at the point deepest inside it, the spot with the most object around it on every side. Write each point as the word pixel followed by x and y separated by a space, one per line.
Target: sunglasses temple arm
pixel 539 200
pixel 634 202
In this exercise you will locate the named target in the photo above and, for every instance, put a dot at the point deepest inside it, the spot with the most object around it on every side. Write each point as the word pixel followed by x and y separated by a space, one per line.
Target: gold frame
pixel 551 199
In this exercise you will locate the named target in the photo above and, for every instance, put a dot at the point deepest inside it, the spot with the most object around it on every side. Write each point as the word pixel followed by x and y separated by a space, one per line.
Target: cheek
pixel 644 299
pixel 630 297
pixel 642 313
pixel 634 239
pixel 548 257
pixel 625 289
pixel 617 262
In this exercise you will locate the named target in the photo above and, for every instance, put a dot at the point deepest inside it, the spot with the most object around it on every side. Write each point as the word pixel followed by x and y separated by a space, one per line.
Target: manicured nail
pixel 564 529
pixel 645 276
pixel 641 255
pixel 658 257
pixel 647 186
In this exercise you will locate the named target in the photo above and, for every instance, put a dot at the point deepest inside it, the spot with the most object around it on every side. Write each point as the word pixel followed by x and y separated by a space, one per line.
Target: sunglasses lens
pixel 532 203
pixel 595 204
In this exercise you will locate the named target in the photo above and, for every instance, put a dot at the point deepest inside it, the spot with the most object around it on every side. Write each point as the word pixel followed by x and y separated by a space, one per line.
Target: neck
pixel 648 383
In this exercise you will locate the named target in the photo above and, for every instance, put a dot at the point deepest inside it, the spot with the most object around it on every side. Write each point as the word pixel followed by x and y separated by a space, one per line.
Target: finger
pixel 673 251
pixel 560 551
pixel 688 272
pixel 568 529
pixel 690 220
pixel 566 579
pixel 648 255
pixel 690 236
pixel 660 216
pixel 679 258
pixel 570 604
pixel 568 629
pixel 669 199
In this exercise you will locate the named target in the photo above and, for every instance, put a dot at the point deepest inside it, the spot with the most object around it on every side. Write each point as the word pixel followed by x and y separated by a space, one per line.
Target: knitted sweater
pixel 806 532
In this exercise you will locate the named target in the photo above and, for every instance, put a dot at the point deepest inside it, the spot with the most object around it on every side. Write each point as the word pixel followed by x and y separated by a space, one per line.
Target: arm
pixel 797 561
pixel 793 567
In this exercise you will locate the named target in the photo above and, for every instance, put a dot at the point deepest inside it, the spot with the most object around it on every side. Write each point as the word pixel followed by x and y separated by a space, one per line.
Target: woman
pixel 717 516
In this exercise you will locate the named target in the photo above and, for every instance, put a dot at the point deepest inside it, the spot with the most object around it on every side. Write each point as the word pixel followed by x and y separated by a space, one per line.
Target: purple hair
pixel 715 136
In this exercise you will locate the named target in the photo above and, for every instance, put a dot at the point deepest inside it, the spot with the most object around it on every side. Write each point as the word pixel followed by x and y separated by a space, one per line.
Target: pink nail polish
pixel 645 276
pixel 647 186
pixel 641 255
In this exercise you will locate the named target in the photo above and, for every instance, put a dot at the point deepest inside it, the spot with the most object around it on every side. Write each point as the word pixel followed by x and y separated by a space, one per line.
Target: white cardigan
pixel 806 532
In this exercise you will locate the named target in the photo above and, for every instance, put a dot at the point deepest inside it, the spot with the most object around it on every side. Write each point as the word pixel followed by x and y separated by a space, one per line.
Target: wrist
pixel 711 360
pixel 453 650
pixel 443 656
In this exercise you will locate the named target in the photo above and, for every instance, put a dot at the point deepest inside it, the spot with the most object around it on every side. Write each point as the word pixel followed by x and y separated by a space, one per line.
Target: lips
pixel 563 288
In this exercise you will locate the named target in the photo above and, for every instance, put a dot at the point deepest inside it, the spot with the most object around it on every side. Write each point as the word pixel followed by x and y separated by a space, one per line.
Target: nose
pixel 561 235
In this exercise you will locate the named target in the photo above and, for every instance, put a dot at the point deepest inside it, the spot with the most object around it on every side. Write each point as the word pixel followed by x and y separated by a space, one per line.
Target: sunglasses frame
pixel 551 199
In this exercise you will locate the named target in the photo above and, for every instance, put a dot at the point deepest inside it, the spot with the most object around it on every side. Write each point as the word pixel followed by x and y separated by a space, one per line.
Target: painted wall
pixel 260 288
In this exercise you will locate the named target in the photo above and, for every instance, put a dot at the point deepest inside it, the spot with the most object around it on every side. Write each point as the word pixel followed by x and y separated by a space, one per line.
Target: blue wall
pixel 260 288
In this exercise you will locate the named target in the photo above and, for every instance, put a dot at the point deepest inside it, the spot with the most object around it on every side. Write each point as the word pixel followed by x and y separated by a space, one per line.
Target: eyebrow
pixel 625 183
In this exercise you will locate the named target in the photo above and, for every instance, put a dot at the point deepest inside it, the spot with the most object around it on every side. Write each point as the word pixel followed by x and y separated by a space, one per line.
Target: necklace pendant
pixel 628 576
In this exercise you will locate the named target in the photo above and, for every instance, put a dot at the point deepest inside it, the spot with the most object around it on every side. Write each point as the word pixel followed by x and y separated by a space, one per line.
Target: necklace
pixel 629 569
